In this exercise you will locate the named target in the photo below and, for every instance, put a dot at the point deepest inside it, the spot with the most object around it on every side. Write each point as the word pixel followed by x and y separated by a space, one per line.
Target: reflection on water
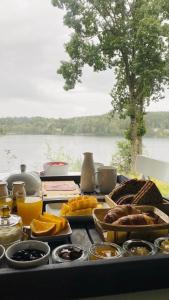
pixel 32 149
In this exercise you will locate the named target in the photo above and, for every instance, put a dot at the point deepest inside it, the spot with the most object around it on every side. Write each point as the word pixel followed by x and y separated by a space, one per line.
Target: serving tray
pixel 85 279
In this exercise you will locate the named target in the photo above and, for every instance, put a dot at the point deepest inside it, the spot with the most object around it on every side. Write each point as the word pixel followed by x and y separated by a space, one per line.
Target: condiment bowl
pixel 27 245
pixel 162 245
pixel 105 251
pixel 69 253
pixel 2 253
pixel 136 247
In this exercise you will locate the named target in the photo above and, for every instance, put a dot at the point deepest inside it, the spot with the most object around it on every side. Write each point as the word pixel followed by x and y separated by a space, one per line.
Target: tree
pixel 131 37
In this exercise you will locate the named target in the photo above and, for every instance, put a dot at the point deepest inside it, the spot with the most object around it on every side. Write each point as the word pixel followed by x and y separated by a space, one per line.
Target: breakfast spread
pixel 129 212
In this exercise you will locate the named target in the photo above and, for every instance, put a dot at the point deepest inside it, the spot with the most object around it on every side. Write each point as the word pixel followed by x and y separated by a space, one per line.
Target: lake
pixel 34 150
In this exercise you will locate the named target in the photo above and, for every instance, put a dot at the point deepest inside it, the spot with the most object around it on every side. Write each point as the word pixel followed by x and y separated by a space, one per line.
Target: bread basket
pixel 119 233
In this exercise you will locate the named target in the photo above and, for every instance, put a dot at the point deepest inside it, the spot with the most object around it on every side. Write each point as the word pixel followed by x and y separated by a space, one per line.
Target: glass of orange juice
pixel 29 208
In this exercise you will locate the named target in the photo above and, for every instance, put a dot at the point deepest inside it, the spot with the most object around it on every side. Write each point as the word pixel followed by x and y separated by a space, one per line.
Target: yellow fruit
pixel 60 222
pixel 40 228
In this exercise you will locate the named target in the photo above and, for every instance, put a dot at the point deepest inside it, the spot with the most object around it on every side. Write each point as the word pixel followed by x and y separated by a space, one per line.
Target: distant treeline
pixel 157 124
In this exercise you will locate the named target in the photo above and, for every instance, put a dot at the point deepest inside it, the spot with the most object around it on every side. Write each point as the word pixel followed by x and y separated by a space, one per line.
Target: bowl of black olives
pixel 28 254
pixel 69 253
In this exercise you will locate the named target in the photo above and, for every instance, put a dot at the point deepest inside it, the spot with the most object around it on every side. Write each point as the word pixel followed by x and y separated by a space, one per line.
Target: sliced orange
pixel 40 228
pixel 60 222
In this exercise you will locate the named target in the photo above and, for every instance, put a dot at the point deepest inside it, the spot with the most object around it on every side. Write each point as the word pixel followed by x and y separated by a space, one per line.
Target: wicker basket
pixel 120 233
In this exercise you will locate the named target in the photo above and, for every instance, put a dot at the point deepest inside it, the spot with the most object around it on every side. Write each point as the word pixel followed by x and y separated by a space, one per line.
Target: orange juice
pixel 30 208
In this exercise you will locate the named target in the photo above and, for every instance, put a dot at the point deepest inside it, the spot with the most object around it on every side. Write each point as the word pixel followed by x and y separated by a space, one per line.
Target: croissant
pixel 138 219
pixel 120 211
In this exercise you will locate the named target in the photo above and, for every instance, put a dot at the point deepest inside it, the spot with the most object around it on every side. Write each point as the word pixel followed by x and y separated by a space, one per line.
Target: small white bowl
pixel 55 168
pixel 2 253
pixel 27 245
pixel 56 258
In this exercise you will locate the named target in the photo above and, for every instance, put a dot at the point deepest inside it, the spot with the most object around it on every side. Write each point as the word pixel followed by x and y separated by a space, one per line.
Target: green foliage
pixel 128 36
pixel 122 159
pixel 157 125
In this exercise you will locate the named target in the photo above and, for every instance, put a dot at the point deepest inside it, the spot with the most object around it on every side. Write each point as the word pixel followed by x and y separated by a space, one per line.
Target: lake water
pixel 34 150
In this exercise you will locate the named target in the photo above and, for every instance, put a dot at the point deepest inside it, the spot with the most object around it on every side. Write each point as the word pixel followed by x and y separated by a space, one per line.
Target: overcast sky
pixel 32 37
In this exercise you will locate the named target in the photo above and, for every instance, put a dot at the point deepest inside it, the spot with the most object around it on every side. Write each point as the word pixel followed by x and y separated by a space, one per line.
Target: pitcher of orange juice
pixel 30 208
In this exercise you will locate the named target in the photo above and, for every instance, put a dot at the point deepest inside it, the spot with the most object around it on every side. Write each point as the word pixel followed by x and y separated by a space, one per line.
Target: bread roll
pixel 138 219
pixel 120 211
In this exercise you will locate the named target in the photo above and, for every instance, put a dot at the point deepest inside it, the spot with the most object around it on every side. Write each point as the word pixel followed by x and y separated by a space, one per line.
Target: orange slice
pixel 60 222
pixel 40 228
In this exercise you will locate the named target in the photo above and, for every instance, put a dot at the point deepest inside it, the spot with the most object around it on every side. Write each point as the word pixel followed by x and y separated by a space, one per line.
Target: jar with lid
pixel 10 227
pixel 3 189
pixel 5 199
pixel 18 191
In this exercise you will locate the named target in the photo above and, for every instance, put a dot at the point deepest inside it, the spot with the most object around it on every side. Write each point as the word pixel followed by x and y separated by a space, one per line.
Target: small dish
pixel 105 251
pixel 64 234
pixel 18 248
pixel 2 253
pixel 138 248
pixel 54 168
pixel 69 253
pixel 162 245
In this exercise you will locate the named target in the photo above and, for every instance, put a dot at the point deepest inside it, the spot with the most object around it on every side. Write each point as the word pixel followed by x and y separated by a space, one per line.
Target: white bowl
pixel 55 168
pixel 28 245
pixel 56 258
pixel 2 253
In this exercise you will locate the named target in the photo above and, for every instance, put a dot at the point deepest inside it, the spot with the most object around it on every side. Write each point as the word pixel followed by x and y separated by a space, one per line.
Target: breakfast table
pixel 101 279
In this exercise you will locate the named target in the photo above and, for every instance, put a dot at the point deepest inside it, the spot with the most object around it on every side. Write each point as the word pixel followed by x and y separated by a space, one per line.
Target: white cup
pixel 107 179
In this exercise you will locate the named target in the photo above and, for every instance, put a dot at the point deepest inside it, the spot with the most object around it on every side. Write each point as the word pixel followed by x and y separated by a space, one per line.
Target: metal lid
pixel 18 183
pixel 7 219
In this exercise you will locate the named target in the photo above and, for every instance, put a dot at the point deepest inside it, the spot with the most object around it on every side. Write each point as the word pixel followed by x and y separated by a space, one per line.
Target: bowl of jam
pixel 28 254
pixel 105 251
pixel 138 248
pixel 162 245
pixel 69 253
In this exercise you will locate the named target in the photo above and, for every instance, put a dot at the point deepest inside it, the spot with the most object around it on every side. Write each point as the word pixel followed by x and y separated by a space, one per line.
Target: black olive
pixel 27 255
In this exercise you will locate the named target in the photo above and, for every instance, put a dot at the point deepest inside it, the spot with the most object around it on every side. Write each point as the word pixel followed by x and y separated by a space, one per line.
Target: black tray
pixel 85 279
